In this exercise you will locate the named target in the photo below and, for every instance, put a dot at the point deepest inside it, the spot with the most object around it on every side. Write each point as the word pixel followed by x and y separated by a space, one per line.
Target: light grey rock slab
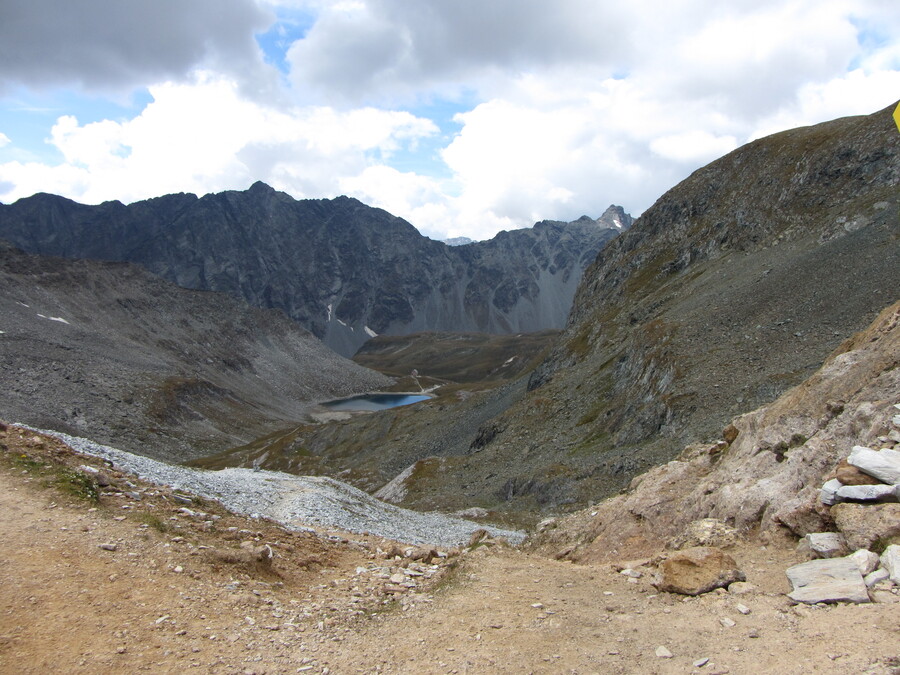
pixel 890 560
pixel 876 577
pixel 827 544
pixel 882 464
pixel 866 493
pixel 827 580
pixel 828 493
pixel 866 560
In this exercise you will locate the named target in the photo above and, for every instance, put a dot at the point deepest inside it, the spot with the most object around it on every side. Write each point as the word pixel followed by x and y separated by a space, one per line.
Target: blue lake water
pixel 375 401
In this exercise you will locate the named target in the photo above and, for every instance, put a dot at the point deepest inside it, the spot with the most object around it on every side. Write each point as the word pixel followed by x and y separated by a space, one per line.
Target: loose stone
pixel 876 577
pixel 826 544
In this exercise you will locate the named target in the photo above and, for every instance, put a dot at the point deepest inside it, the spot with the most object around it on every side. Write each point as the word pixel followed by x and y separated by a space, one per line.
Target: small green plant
pixel 76 484
pixel 27 463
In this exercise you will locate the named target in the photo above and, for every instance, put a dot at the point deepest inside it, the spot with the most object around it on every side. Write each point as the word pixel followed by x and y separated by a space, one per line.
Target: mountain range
pixel 341 269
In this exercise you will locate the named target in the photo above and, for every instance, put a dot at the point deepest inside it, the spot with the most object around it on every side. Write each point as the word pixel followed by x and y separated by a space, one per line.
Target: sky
pixel 465 117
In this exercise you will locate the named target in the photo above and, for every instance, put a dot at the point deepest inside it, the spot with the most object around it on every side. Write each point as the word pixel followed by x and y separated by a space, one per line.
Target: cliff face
pixel 111 352
pixel 732 288
pixel 342 269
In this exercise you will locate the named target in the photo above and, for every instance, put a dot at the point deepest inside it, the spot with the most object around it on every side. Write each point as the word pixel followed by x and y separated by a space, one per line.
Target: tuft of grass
pixel 28 463
pixel 76 484
pixel 68 481
pixel 153 521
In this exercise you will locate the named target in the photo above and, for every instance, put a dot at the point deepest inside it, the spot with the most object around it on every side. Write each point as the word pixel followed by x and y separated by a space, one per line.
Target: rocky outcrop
pixel 108 350
pixel 769 478
pixel 342 269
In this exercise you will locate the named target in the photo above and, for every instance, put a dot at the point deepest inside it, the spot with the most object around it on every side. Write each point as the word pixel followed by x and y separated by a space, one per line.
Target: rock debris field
pixel 295 501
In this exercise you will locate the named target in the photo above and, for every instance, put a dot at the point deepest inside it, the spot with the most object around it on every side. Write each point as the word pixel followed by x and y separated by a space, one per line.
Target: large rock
pixel 827 580
pixel 868 493
pixel 828 493
pixel 865 560
pixel 697 570
pixel 865 524
pixel 848 474
pixel 826 544
pixel 835 492
pixel 882 464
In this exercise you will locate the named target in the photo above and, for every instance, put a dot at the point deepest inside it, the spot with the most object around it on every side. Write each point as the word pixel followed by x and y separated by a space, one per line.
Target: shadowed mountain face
pixel 114 353
pixel 342 269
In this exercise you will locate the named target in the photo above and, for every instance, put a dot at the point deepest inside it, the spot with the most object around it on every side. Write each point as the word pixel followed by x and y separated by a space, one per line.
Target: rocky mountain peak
pixel 615 217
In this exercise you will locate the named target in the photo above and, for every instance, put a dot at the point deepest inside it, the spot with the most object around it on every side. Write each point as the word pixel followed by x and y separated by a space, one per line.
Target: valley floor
pixel 169 598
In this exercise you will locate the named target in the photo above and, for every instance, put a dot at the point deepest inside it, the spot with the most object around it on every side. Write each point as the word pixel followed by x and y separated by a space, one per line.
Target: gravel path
pixel 295 501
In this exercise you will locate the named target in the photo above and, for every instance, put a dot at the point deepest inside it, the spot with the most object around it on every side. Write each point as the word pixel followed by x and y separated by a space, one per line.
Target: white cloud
pixel 4 140
pixel 575 104
pixel 383 49
pixel 855 93
pixel 204 137
pixel 693 146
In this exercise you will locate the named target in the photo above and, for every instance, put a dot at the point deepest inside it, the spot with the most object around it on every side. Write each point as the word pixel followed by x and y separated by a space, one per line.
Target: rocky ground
pixel 126 577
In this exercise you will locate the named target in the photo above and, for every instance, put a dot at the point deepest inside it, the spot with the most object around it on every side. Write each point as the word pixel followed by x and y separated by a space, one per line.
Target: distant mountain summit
pixel 615 217
pixel 344 270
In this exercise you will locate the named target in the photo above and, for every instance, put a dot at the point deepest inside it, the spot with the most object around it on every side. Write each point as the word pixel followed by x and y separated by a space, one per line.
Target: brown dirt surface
pixel 180 594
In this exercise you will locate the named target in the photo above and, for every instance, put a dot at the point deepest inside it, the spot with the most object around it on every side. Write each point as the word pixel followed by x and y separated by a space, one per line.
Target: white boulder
pixel 866 560
pixel 867 493
pixel 828 493
pixel 882 464
pixel 826 544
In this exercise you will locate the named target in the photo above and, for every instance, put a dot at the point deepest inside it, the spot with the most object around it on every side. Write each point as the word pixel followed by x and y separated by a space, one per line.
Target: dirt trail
pixel 159 603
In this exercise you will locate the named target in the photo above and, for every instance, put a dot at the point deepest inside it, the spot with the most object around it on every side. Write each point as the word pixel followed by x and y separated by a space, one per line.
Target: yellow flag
pixel 897 116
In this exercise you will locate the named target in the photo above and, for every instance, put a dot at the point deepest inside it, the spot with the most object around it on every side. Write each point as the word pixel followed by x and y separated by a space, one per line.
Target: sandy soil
pixel 176 596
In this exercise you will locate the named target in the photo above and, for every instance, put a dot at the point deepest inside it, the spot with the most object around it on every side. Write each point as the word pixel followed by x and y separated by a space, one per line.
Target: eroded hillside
pixel 111 352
